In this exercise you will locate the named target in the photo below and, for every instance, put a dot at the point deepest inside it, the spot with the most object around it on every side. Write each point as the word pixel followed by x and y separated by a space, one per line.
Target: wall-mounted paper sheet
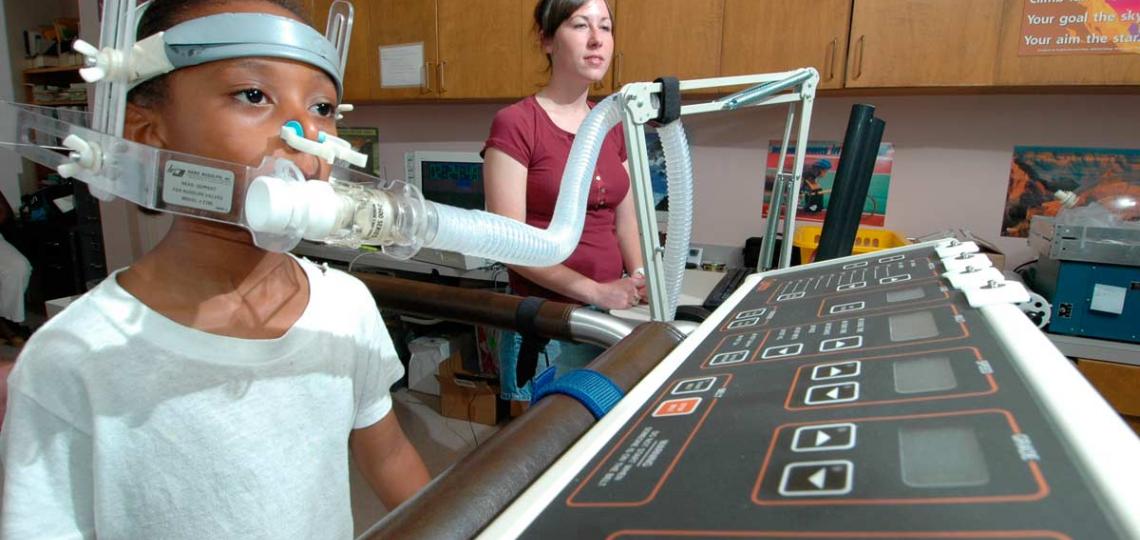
pixel 402 65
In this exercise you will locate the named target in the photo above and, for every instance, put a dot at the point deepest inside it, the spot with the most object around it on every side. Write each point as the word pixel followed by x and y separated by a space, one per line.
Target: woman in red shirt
pixel 524 157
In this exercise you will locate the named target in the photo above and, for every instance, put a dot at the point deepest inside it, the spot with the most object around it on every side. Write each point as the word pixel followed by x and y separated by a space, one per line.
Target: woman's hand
pixel 621 294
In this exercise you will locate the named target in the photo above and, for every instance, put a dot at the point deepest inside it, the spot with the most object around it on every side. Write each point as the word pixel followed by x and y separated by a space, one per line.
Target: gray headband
pixel 241 35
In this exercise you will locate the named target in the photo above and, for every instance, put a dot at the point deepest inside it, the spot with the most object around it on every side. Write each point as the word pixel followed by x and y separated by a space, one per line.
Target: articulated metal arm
pixel 642 102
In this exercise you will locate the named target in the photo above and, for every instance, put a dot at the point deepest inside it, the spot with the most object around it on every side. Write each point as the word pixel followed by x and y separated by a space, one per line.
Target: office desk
pixel 1096 349
pixel 695 286
pixel 358 259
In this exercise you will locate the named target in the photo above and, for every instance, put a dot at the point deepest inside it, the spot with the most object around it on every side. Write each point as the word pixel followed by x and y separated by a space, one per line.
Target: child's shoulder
pixel 71 345
pixel 85 324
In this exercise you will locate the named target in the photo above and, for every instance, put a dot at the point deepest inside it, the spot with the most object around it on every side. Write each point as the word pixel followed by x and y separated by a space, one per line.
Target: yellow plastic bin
pixel 866 240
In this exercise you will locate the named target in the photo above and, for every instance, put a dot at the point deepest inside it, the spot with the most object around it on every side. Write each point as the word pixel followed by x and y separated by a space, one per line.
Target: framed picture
pixel 365 140
pixel 1109 177
pixel 821 160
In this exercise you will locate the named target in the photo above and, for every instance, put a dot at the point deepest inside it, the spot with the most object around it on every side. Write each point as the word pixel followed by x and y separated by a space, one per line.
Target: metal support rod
pixel 597 328
pixel 754 94
pixel 808 93
pixel 768 246
pixel 642 187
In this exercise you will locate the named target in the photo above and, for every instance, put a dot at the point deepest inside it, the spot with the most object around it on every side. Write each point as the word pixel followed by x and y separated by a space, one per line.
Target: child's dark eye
pixel 324 109
pixel 251 95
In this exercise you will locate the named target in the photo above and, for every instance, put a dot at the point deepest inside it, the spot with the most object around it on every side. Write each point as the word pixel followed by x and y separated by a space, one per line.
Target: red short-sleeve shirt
pixel 526 133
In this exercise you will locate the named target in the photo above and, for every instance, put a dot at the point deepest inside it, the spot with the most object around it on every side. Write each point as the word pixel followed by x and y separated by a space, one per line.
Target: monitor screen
pixel 458 184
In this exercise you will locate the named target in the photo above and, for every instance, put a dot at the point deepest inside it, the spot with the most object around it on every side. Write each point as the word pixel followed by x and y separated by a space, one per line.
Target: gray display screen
pixel 912 326
pixel 905 295
pixel 919 375
pixel 942 457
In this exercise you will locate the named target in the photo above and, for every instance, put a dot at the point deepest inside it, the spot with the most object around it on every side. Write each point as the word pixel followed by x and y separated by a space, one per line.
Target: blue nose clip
pixel 300 131
pixel 326 147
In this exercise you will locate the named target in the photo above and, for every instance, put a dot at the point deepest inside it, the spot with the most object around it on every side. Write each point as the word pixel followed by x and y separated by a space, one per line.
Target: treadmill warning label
pixel 638 465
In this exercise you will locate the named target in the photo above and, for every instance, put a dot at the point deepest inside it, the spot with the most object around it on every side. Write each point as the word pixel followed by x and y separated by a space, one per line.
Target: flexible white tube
pixel 483 234
pixel 679 169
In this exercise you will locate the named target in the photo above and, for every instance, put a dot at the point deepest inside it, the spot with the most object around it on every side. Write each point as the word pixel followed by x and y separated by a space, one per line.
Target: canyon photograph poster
pixel 1109 177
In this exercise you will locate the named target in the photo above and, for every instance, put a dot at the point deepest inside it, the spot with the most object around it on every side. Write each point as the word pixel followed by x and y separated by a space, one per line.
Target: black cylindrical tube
pixel 854 142
pixel 858 189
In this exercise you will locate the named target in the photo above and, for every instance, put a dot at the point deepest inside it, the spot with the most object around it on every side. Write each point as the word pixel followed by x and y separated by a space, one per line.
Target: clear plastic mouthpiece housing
pixel 351 209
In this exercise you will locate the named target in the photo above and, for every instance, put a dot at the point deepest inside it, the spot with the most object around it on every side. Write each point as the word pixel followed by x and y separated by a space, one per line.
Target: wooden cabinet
pixel 1060 69
pixel 465 54
pixel 677 38
pixel 913 43
pixel 765 36
pixel 489 49
pixel 478 57
pixel 399 22
pixel 382 23
pixel 362 69
pixel 533 72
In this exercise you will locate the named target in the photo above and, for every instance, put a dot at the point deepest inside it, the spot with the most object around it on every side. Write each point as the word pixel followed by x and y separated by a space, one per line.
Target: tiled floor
pixel 440 441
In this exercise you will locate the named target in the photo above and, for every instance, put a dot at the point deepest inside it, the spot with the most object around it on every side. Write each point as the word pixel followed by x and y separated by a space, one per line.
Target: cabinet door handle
pixel 859 59
pixel 425 83
pixel 829 58
pixel 442 88
pixel 617 71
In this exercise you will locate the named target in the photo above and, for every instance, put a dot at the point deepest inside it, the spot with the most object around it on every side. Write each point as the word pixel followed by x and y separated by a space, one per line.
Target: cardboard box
pixel 1117 383
pixel 427 353
pixel 469 396
pixel 54 306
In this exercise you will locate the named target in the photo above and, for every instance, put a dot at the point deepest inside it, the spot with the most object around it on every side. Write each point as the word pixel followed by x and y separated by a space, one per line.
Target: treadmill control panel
pixel 862 399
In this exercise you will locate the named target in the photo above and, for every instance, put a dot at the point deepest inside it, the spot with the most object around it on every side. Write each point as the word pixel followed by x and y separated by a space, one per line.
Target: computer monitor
pixel 454 179
pixel 451 178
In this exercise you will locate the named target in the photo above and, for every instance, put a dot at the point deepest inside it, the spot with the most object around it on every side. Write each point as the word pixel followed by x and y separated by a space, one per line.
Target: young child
pixel 212 389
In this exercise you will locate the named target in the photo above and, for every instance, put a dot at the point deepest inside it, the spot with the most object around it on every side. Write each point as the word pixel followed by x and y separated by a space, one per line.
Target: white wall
pixel 952 153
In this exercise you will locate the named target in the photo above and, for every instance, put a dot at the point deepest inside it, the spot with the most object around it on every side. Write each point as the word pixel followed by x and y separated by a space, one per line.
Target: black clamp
pixel 670 100
pixel 532 344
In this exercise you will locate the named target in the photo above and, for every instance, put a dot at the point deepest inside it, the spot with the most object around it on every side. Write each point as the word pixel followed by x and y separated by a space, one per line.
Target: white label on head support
pixel 195 186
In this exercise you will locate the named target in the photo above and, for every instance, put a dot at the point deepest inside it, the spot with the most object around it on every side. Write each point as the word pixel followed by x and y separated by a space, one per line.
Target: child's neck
pixel 213 279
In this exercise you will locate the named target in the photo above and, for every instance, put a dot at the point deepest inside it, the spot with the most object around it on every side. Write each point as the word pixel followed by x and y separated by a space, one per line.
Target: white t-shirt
pixel 124 424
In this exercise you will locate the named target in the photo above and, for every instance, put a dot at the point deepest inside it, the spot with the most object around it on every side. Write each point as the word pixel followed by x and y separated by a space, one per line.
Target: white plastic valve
pixel 342 149
pixel 326 147
pixel 105 64
pixel 275 206
pixel 84 156
pixel 343 108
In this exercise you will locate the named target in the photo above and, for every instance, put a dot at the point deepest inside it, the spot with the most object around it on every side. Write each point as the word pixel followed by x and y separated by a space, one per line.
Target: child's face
pixel 233 110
